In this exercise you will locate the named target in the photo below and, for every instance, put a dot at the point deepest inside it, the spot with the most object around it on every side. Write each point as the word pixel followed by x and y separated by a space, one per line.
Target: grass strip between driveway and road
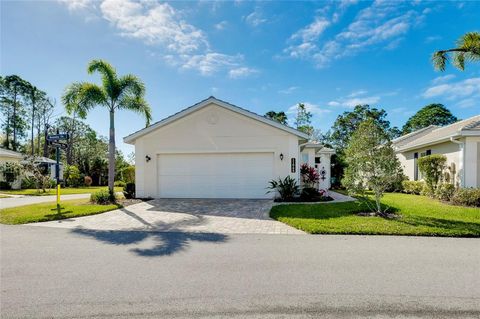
pixel 419 216
pixel 53 191
pixel 48 211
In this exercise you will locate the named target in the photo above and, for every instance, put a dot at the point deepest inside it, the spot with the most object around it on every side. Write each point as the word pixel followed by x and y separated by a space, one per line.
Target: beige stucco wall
pixel 209 130
pixel 455 153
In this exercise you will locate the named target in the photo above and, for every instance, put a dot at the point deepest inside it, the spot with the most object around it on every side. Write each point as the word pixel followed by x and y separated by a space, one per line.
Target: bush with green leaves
pixel 287 188
pixel 103 197
pixel 129 174
pixel 28 182
pixel 413 187
pixel 466 197
pixel 129 190
pixel 72 176
pixel 445 192
pixel 119 184
pixel 432 167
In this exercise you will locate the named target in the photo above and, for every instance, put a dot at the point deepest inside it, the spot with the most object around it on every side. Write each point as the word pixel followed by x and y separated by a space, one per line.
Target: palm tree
pixel 280 117
pixel 468 49
pixel 115 93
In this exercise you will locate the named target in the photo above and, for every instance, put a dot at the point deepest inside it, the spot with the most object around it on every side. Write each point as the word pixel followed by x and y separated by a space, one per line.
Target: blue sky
pixel 258 55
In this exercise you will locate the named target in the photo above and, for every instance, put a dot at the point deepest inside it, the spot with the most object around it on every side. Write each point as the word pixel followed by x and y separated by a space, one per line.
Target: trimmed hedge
pixel 467 197
pixel 413 187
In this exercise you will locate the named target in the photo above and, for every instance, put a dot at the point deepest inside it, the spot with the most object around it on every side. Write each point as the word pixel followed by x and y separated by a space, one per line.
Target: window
pixel 317 160
pixel 293 163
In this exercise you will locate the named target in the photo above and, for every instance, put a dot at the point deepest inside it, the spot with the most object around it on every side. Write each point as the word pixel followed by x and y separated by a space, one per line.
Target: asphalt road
pixel 61 273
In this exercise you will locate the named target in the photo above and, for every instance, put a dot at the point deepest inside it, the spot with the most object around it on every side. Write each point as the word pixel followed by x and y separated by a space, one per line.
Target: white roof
pixel 438 134
pixel 319 147
pixel 9 153
pixel 130 139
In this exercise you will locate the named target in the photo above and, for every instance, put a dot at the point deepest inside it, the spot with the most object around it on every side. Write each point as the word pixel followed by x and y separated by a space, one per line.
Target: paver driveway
pixel 228 216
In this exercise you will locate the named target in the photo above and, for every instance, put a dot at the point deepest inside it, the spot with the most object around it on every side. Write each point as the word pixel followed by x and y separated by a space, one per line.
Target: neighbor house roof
pixel 436 134
pixel 319 147
pixel 9 153
pixel 132 137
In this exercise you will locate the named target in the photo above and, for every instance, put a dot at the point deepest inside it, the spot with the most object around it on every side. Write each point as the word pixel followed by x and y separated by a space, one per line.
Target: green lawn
pixel 48 211
pixel 53 191
pixel 420 216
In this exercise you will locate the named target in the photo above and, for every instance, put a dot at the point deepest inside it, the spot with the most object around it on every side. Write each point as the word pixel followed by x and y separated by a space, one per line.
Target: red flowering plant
pixel 309 175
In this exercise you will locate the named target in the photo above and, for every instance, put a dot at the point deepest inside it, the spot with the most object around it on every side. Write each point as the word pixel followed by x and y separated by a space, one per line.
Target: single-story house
pixel 46 164
pixel 214 149
pixel 459 142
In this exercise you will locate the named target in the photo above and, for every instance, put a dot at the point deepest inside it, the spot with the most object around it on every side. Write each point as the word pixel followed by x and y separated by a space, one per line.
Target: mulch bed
pixel 303 200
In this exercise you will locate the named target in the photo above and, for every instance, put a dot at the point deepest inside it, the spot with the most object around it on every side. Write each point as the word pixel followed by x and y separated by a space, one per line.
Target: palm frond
pixel 80 97
pixel 439 60
pixel 109 76
pixel 136 104
pixel 131 84
pixel 459 60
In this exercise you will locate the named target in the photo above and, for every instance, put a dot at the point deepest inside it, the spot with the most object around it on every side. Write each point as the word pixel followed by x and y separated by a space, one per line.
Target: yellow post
pixel 58 194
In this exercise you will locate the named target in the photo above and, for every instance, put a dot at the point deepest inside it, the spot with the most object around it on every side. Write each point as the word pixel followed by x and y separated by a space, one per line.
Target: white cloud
pixel 458 90
pixel 160 25
pixel 255 18
pixel 312 31
pixel 381 25
pixel 432 38
pixel 288 90
pixel 221 25
pixel 241 72
pixel 74 5
pixel 310 107
pixel 443 78
pixel 355 98
pixel 154 23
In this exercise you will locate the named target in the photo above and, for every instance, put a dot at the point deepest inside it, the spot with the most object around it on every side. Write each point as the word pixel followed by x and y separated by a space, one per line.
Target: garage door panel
pixel 217 175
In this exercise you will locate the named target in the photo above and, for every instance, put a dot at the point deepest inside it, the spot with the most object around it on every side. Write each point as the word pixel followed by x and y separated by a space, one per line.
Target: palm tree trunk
pixel 111 153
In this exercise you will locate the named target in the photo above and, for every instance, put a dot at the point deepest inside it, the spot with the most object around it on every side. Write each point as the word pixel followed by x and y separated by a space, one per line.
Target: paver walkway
pixel 226 216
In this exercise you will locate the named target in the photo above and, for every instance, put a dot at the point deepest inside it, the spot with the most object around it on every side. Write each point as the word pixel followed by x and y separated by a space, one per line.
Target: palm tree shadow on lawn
pixel 167 242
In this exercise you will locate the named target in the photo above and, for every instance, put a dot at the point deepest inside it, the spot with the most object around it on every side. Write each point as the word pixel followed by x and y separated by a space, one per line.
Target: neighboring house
pixel 459 142
pixel 214 149
pixel 46 164
pixel 11 156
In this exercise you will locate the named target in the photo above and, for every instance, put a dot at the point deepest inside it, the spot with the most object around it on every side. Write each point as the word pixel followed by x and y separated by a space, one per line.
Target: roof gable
pixel 211 100
pixel 470 127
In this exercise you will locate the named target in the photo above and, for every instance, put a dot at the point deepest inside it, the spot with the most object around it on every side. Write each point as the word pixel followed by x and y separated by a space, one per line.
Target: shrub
pixel 28 182
pixel 412 187
pixel 103 197
pixel 309 193
pixel 129 174
pixel 432 167
pixel 467 197
pixel 445 192
pixel 129 190
pixel 309 175
pixel 427 191
pixel 119 183
pixel 87 180
pixel 11 171
pixel 287 188
pixel 72 176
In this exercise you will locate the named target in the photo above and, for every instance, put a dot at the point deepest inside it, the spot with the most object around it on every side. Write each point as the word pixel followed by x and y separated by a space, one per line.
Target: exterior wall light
pixel 281 156
pixel 147 158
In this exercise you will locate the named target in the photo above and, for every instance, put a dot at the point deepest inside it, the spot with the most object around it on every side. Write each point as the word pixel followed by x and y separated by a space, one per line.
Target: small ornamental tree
pixel 371 164
pixel 432 167
pixel 309 175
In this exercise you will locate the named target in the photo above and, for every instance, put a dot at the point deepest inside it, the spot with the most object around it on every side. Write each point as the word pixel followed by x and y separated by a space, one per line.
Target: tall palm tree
pixel 468 49
pixel 116 93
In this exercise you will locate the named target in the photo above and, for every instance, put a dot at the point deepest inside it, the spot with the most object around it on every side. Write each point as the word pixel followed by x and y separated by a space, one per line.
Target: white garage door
pixel 216 175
